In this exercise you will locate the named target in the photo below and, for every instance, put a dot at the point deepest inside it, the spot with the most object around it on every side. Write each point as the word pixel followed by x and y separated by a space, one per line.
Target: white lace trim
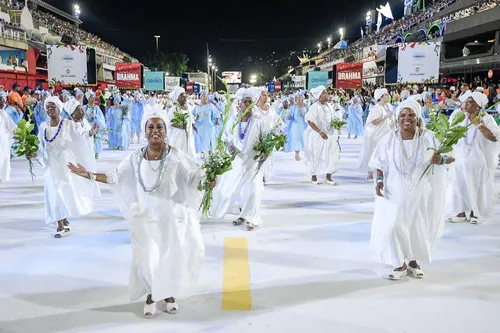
pixel 111 177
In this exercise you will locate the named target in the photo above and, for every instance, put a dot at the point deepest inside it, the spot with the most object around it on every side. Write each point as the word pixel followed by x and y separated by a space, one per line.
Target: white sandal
pixel 474 220
pixel 397 275
pixel 149 310
pixel 172 308
pixel 331 182
pixel 417 273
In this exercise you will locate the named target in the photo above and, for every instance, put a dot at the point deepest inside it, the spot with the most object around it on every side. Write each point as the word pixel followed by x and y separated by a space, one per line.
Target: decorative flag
pixel 362 33
pixel 379 21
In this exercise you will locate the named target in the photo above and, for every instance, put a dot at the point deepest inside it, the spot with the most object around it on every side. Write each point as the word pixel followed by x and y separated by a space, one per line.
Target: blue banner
pixel 317 78
pixel 155 81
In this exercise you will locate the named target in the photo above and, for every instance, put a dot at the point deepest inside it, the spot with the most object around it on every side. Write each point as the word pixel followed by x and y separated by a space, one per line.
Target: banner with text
pixel 154 81
pixel 128 75
pixel 299 81
pixel 317 78
pixel 67 65
pixel 350 75
pixel 418 62
pixel 171 82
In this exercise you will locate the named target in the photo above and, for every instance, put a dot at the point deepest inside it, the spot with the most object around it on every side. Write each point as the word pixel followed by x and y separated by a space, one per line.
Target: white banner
pixel 67 65
pixel 418 62
pixel 299 81
pixel 171 82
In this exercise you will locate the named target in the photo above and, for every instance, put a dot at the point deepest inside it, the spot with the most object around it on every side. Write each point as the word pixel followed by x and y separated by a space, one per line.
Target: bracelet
pixel 443 160
pixel 92 176
pixel 379 179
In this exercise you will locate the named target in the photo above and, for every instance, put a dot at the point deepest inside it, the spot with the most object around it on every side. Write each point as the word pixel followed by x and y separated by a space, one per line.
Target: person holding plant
pixel 180 135
pixel 156 188
pixel 7 128
pixel 472 192
pixel 240 190
pixel 380 121
pixel 61 141
pixel 321 150
pixel 409 215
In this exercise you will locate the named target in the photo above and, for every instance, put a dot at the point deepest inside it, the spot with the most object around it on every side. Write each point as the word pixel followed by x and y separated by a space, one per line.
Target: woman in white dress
pixel 409 216
pixel 272 120
pixel 181 137
pixel 156 188
pixel 321 150
pixel 240 189
pixel 7 128
pixel 62 141
pixel 380 121
pixel 472 192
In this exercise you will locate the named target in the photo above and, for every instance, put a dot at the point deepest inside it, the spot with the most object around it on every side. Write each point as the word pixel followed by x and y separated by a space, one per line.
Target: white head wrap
pixel 174 95
pixel 316 92
pixel 379 93
pixel 239 94
pixel 3 94
pixel 56 101
pixel 478 97
pixel 253 92
pixel 89 93
pixel 335 98
pixel 412 104
pixel 151 113
pixel 71 106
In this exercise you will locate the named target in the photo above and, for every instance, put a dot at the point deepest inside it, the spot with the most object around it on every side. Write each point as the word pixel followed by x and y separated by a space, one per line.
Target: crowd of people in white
pixel 157 186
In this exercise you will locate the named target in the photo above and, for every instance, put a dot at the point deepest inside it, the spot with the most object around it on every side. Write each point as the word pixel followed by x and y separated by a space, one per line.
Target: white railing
pixel 12 33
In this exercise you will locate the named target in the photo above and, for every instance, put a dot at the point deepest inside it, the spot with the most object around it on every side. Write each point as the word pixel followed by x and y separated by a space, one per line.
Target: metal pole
pixel 157 39
pixel 208 70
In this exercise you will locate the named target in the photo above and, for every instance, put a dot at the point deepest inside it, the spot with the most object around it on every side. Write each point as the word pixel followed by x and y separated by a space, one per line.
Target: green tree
pixel 173 63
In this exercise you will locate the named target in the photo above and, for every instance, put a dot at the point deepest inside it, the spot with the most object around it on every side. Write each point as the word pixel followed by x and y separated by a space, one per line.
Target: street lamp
pixel 341 33
pixel 166 73
pixel 76 11
pixel 253 79
pixel 319 47
pixel 329 40
pixel 157 38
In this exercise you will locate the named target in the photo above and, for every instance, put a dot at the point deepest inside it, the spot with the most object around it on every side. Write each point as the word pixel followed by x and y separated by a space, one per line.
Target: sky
pixel 233 29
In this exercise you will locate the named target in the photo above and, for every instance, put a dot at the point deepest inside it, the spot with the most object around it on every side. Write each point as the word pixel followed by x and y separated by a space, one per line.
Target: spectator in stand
pixel 14 99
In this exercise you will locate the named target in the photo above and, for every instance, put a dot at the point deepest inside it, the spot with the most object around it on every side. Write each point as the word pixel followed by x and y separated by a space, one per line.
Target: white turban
pixel 71 106
pixel 3 94
pixel 174 95
pixel 316 92
pixel 152 113
pixel 55 100
pixel 240 93
pixel 89 93
pixel 416 97
pixel 335 98
pixel 412 104
pixel 253 92
pixel 379 93
pixel 478 97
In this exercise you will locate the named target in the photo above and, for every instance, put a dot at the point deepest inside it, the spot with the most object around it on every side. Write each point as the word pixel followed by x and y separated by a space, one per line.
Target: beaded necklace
pixel 469 144
pixel 407 164
pixel 57 133
pixel 243 133
pixel 161 169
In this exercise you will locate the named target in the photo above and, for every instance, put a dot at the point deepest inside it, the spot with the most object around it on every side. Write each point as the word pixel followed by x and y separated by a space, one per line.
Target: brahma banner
pixel 128 75
pixel 350 75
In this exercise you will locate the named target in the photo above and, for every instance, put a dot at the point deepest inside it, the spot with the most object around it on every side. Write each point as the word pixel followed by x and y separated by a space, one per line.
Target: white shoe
pixel 457 219
pixel 331 182
pixel 397 275
pixel 149 310
pixel 171 308
pixel 417 273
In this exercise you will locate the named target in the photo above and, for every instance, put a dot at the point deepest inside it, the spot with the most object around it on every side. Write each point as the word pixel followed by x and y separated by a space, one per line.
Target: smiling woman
pixel 156 188
pixel 409 216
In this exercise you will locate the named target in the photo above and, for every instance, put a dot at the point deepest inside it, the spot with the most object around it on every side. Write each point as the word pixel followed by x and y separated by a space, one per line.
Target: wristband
pixel 443 160
pixel 379 179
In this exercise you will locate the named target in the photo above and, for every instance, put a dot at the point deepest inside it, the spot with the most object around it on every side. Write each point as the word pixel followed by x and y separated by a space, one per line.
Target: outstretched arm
pixel 79 170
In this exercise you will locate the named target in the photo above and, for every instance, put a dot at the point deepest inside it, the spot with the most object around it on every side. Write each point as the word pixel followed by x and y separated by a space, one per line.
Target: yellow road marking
pixel 236 286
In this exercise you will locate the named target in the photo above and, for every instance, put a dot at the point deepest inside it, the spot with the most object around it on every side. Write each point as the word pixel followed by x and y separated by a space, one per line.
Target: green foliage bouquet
pixel 338 124
pixel 25 143
pixel 275 139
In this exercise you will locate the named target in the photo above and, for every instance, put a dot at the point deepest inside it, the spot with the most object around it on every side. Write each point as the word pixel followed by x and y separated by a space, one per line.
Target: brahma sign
pixel 128 75
pixel 350 75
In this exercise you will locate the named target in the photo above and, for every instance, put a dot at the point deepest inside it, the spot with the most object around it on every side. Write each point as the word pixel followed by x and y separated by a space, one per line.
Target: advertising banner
pixel 154 81
pixel 350 75
pixel 299 81
pixel 418 62
pixel 232 77
pixel 189 87
pixel 277 86
pixel 270 87
pixel 317 78
pixel 171 82
pixel 128 75
pixel 67 65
